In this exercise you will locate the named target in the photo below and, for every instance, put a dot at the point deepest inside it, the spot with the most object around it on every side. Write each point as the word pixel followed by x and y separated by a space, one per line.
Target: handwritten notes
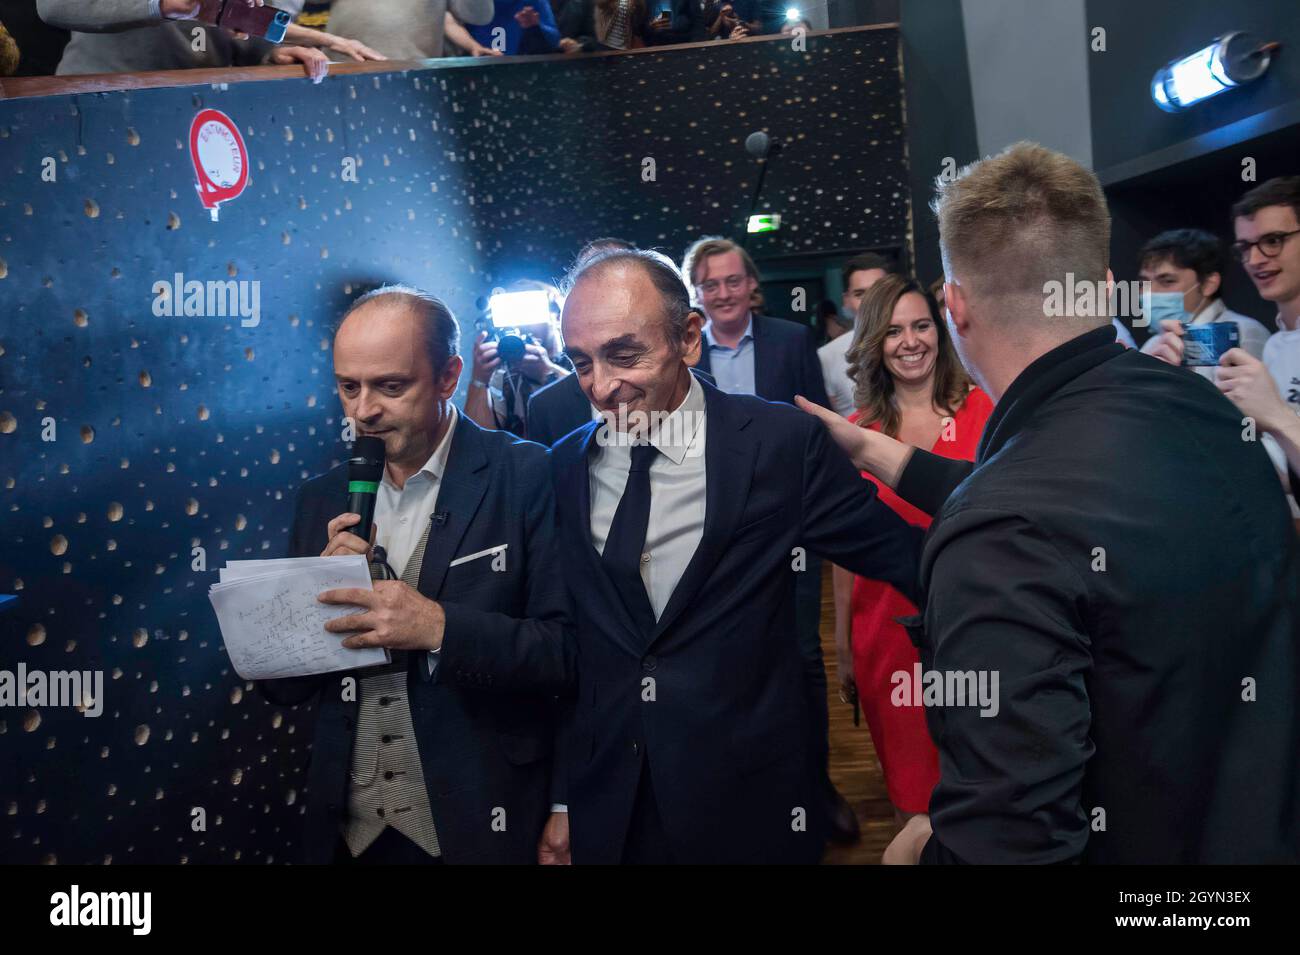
pixel 272 624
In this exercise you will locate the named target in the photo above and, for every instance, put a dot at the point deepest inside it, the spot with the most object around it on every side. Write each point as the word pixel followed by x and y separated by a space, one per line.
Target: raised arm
pixel 845 521
pixel 112 16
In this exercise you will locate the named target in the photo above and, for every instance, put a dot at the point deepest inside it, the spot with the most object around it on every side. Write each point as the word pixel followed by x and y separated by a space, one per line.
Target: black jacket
pixel 727 735
pixel 557 409
pixel 484 721
pixel 1126 562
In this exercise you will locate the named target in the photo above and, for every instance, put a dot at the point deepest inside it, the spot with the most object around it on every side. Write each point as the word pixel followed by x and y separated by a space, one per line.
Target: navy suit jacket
pixel 785 361
pixel 485 719
pixel 556 410
pixel 726 735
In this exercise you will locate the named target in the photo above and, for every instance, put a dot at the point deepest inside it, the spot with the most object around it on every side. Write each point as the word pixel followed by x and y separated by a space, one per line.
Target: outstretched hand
pixel 871 451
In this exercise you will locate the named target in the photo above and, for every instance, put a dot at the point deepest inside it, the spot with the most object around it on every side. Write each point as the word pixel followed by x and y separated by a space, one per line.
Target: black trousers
pixel 391 848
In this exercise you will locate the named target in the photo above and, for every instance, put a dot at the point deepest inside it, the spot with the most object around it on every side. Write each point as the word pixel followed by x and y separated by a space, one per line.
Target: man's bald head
pixel 439 330
pixel 657 268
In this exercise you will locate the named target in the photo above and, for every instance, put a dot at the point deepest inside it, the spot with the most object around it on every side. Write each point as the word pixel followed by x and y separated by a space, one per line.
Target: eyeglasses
pixel 734 283
pixel 1270 245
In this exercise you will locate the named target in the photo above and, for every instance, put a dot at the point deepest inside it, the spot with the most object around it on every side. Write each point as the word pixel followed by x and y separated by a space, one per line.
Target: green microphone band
pixel 363 487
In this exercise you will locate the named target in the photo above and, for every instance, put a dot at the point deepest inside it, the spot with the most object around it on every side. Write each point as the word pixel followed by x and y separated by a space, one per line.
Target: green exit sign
pixel 766 222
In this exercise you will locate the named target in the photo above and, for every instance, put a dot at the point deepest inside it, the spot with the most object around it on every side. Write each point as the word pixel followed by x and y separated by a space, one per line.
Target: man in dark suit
pixel 689 739
pixel 444 755
pixel 1119 556
pixel 754 354
pixel 747 353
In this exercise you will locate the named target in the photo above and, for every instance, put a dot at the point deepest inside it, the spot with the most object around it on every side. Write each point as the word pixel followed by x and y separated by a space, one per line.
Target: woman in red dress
pixel 909 383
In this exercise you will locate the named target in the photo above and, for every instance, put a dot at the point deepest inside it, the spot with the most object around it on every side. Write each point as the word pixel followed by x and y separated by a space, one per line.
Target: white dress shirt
pixel 834 358
pixel 677 486
pixel 402 514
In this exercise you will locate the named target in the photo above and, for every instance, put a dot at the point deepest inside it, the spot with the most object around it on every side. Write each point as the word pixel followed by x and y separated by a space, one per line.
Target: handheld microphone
pixel 365 469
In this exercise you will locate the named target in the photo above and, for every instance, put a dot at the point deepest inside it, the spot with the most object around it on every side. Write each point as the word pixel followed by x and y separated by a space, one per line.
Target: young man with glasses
pixel 1267 225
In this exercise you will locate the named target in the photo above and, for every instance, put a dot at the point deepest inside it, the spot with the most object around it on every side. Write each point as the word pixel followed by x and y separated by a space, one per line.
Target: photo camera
pixel 508 314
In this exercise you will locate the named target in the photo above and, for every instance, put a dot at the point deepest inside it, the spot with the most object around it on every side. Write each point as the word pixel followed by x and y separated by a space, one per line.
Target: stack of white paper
pixel 273 625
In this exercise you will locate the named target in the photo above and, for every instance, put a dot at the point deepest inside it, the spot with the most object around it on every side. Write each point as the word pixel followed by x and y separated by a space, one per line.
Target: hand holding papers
pixel 273 625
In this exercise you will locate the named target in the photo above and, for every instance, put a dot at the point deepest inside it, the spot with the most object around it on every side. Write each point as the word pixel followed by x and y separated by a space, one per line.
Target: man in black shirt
pixel 1118 566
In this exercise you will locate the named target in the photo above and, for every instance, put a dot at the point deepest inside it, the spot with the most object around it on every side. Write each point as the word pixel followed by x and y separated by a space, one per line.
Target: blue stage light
pixel 1231 60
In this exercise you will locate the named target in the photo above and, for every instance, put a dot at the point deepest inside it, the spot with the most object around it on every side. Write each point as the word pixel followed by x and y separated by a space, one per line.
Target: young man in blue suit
pixel 689 741
pixel 444 755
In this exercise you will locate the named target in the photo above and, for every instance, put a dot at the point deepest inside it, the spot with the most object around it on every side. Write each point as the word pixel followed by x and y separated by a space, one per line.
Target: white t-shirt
pixel 835 373
pixel 1282 358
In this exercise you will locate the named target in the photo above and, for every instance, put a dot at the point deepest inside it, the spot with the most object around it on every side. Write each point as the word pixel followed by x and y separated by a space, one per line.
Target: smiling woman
pixel 909 384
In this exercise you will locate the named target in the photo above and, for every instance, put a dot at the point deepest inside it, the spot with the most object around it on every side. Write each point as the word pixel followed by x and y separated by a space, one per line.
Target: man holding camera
pixel 505 376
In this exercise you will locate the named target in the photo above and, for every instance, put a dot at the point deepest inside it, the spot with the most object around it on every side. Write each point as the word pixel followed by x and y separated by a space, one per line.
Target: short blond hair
pixel 703 249
pixel 1013 222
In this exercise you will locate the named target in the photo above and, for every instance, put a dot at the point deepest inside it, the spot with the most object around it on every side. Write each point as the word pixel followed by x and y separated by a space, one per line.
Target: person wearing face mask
pixel 1265 388
pixel 910 385
pixel 1185 268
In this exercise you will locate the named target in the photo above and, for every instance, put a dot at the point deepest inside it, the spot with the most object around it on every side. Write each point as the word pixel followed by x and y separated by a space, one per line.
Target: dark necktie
pixel 626 540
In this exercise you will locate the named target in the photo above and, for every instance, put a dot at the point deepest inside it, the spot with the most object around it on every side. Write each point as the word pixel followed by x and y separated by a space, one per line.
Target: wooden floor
pixel 854 768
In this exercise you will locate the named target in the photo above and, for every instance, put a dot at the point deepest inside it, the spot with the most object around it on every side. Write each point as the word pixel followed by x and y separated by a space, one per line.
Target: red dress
pixel 881 647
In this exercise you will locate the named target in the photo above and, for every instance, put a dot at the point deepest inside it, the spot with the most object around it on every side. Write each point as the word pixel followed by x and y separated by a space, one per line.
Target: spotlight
pixel 792 14
pixel 1233 59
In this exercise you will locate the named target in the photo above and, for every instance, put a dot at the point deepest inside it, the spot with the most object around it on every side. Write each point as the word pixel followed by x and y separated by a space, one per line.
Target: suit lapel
pixel 575 480
pixel 765 362
pixel 459 495
pixel 704 364
pixel 729 453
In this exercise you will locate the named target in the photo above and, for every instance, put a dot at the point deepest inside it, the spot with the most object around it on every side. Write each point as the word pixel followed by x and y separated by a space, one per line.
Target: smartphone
pixel 1204 345
pixel 237 16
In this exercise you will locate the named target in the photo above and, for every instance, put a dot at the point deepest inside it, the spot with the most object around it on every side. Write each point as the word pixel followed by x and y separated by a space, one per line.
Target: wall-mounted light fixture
pixel 1231 60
